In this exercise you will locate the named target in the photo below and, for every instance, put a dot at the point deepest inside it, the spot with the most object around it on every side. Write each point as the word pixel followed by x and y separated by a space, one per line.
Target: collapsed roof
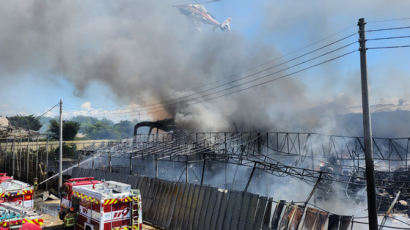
pixel 7 130
pixel 166 125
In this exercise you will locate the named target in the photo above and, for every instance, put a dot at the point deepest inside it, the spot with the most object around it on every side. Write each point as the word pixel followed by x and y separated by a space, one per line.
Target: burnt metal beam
pixel 250 178
pixel 203 172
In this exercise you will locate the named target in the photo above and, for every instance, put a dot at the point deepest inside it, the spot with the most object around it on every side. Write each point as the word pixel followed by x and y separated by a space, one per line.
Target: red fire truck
pixel 4 177
pixel 66 200
pixel 13 216
pixel 100 205
pixel 14 191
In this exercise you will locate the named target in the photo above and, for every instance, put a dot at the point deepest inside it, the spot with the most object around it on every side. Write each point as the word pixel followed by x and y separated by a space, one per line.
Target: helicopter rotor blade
pixel 206 2
pixel 196 2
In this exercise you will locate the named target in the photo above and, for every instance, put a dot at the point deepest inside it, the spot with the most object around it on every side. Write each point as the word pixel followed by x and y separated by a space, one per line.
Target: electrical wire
pixel 388 20
pixel 281 70
pixel 289 53
pixel 399 220
pixel 177 102
pixel 387 38
pixel 264 70
pixel 268 81
pixel 388 47
pixel 293 73
pixel 253 80
pixel 160 106
pixel 38 117
pixel 279 58
pixel 390 28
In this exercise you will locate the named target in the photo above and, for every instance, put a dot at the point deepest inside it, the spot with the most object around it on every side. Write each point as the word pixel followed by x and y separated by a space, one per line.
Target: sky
pixel 280 26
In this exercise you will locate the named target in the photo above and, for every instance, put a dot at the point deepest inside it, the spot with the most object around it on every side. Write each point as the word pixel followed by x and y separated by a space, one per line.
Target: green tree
pixel 84 121
pixel 101 130
pixel 70 129
pixel 25 122
pixel 124 129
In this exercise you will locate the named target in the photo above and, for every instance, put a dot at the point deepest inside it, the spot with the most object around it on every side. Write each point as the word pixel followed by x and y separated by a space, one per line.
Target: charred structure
pixel 166 125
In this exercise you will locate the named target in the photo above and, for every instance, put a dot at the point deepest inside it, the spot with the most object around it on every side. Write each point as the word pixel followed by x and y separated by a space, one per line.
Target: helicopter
pixel 199 14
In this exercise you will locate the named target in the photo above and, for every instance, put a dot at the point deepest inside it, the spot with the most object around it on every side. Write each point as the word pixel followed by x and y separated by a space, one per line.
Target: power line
pixel 389 20
pixel 388 38
pixel 179 99
pixel 391 28
pixel 261 71
pixel 132 111
pixel 388 47
pixel 288 75
pixel 279 58
pixel 159 107
pixel 288 54
pixel 98 112
pixel 38 117
pixel 275 79
pixel 264 76
pixel 400 220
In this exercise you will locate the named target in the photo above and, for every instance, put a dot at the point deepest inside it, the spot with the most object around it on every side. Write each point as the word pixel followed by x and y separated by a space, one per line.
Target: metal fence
pixel 172 205
pixel 278 153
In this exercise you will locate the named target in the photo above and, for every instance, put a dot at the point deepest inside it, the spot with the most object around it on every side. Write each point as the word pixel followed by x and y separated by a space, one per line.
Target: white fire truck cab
pixel 14 191
pixel 106 205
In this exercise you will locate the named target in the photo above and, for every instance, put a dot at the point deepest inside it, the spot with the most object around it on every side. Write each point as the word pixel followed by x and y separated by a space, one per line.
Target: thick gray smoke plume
pixel 147 52
pixel 144 50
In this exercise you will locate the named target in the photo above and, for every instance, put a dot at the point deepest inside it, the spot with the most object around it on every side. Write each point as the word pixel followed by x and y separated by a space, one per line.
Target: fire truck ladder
pixel 135 212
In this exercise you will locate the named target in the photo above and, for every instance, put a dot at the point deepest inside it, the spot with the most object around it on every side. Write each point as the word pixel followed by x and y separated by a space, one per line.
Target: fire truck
pixel 14 191
pixel 66 201
pixel 13 216
pixel 4 177
pixel 100 205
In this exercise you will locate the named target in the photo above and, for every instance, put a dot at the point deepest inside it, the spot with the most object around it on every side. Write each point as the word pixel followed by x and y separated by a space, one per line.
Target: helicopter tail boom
pixel 226 25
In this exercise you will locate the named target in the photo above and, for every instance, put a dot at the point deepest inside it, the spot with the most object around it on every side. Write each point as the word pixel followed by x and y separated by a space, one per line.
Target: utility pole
pixel 38 146
pixel 367 131
pixel 28 161
pixel 46 168
pixel 13 157
pixel 60 165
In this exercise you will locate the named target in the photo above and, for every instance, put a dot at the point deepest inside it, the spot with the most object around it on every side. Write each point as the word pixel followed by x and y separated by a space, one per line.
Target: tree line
pixel 79 127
